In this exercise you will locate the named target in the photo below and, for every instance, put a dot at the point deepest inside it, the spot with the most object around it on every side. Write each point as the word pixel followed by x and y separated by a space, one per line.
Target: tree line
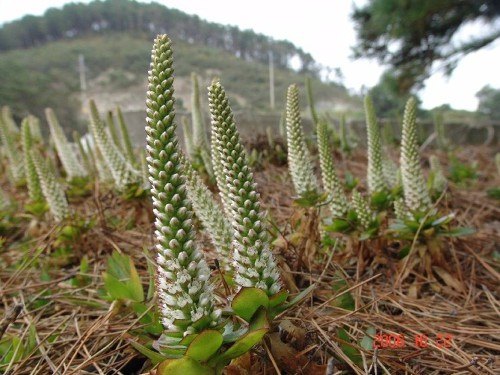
pixel 77 20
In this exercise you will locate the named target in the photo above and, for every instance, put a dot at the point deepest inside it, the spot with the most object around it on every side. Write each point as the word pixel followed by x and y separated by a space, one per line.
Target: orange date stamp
pixel 395 341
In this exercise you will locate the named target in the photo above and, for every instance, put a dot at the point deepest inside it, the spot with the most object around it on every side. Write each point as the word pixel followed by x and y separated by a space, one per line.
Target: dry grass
pixel 77 332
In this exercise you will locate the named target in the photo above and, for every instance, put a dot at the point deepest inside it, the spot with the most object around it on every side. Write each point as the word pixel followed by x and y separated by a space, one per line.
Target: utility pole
pixel 271 79
pixel 83 82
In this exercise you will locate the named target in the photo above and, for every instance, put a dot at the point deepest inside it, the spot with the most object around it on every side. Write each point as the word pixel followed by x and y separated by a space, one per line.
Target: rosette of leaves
pixel 124 175
pixel 211 215
pixel 68 158
pixel 52 190
pixel 299 158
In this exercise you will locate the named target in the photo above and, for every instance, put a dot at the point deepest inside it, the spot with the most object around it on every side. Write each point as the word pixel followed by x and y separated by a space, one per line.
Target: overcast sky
pixel 324 29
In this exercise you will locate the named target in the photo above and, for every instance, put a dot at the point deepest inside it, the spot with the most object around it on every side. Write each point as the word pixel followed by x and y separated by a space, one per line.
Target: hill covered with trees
pixel 39 59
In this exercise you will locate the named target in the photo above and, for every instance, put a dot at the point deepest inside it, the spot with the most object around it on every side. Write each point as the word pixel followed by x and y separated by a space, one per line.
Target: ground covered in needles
pixel 59 318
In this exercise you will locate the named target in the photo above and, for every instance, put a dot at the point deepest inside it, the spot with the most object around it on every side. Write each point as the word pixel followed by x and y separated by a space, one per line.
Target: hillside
pixel 39 60
pixel 116 70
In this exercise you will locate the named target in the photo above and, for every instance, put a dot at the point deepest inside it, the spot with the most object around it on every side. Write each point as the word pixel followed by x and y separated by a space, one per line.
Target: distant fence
pixel 251 124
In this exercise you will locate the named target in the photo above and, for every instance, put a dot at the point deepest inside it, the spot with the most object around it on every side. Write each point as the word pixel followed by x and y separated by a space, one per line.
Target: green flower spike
pixel 52 190
pixel 331 183
pixel 66 154
pixel 188 138
pixel 34 188
pixel 414 187
pixel 218 169
pixel 123 173
pixel 438 178
pixel 375 177
pixel 8 138
pixel 9 121
pixel 391 172
pixel 183 275
pixel 200 139
pixel 126 142
pixel 211 215
pixel 401 211
pixel 253 261
pixel 299 158
pixel 362 210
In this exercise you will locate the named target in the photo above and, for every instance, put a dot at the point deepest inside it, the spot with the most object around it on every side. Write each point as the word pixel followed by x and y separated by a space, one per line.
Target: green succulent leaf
pixel 298 298
pixel 240 347
pixel 247 301
pixel 205 345
pixel 458 232
pixel 183 366
pixel 154 356
pixel 278 298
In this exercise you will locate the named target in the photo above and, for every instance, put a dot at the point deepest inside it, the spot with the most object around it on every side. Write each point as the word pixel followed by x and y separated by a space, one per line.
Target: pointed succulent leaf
pixel 247 301
pixel 205 345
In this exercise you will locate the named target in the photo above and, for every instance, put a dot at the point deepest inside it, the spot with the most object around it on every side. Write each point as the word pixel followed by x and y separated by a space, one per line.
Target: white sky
pixel 324 29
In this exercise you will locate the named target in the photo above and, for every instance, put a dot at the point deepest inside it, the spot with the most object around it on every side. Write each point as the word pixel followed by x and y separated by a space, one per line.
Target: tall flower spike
pixel 414 187
pixel 112 131
pixel 84 154
pixel 9 121
pixel 183 275
pixel 299 158
pixel 200 139
pixel 123 173
pixel 331 183
pixel 253 261
pixel 8 138
pixel 362 209
pixel 66 154
pixel 52 190
pixel 375 177
pixel 188 138
pixel 34 188
pixel 391 172
pixel 218 169
pixel 438 180
pixel 126 142
pixel 211 215
pixel 400 209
